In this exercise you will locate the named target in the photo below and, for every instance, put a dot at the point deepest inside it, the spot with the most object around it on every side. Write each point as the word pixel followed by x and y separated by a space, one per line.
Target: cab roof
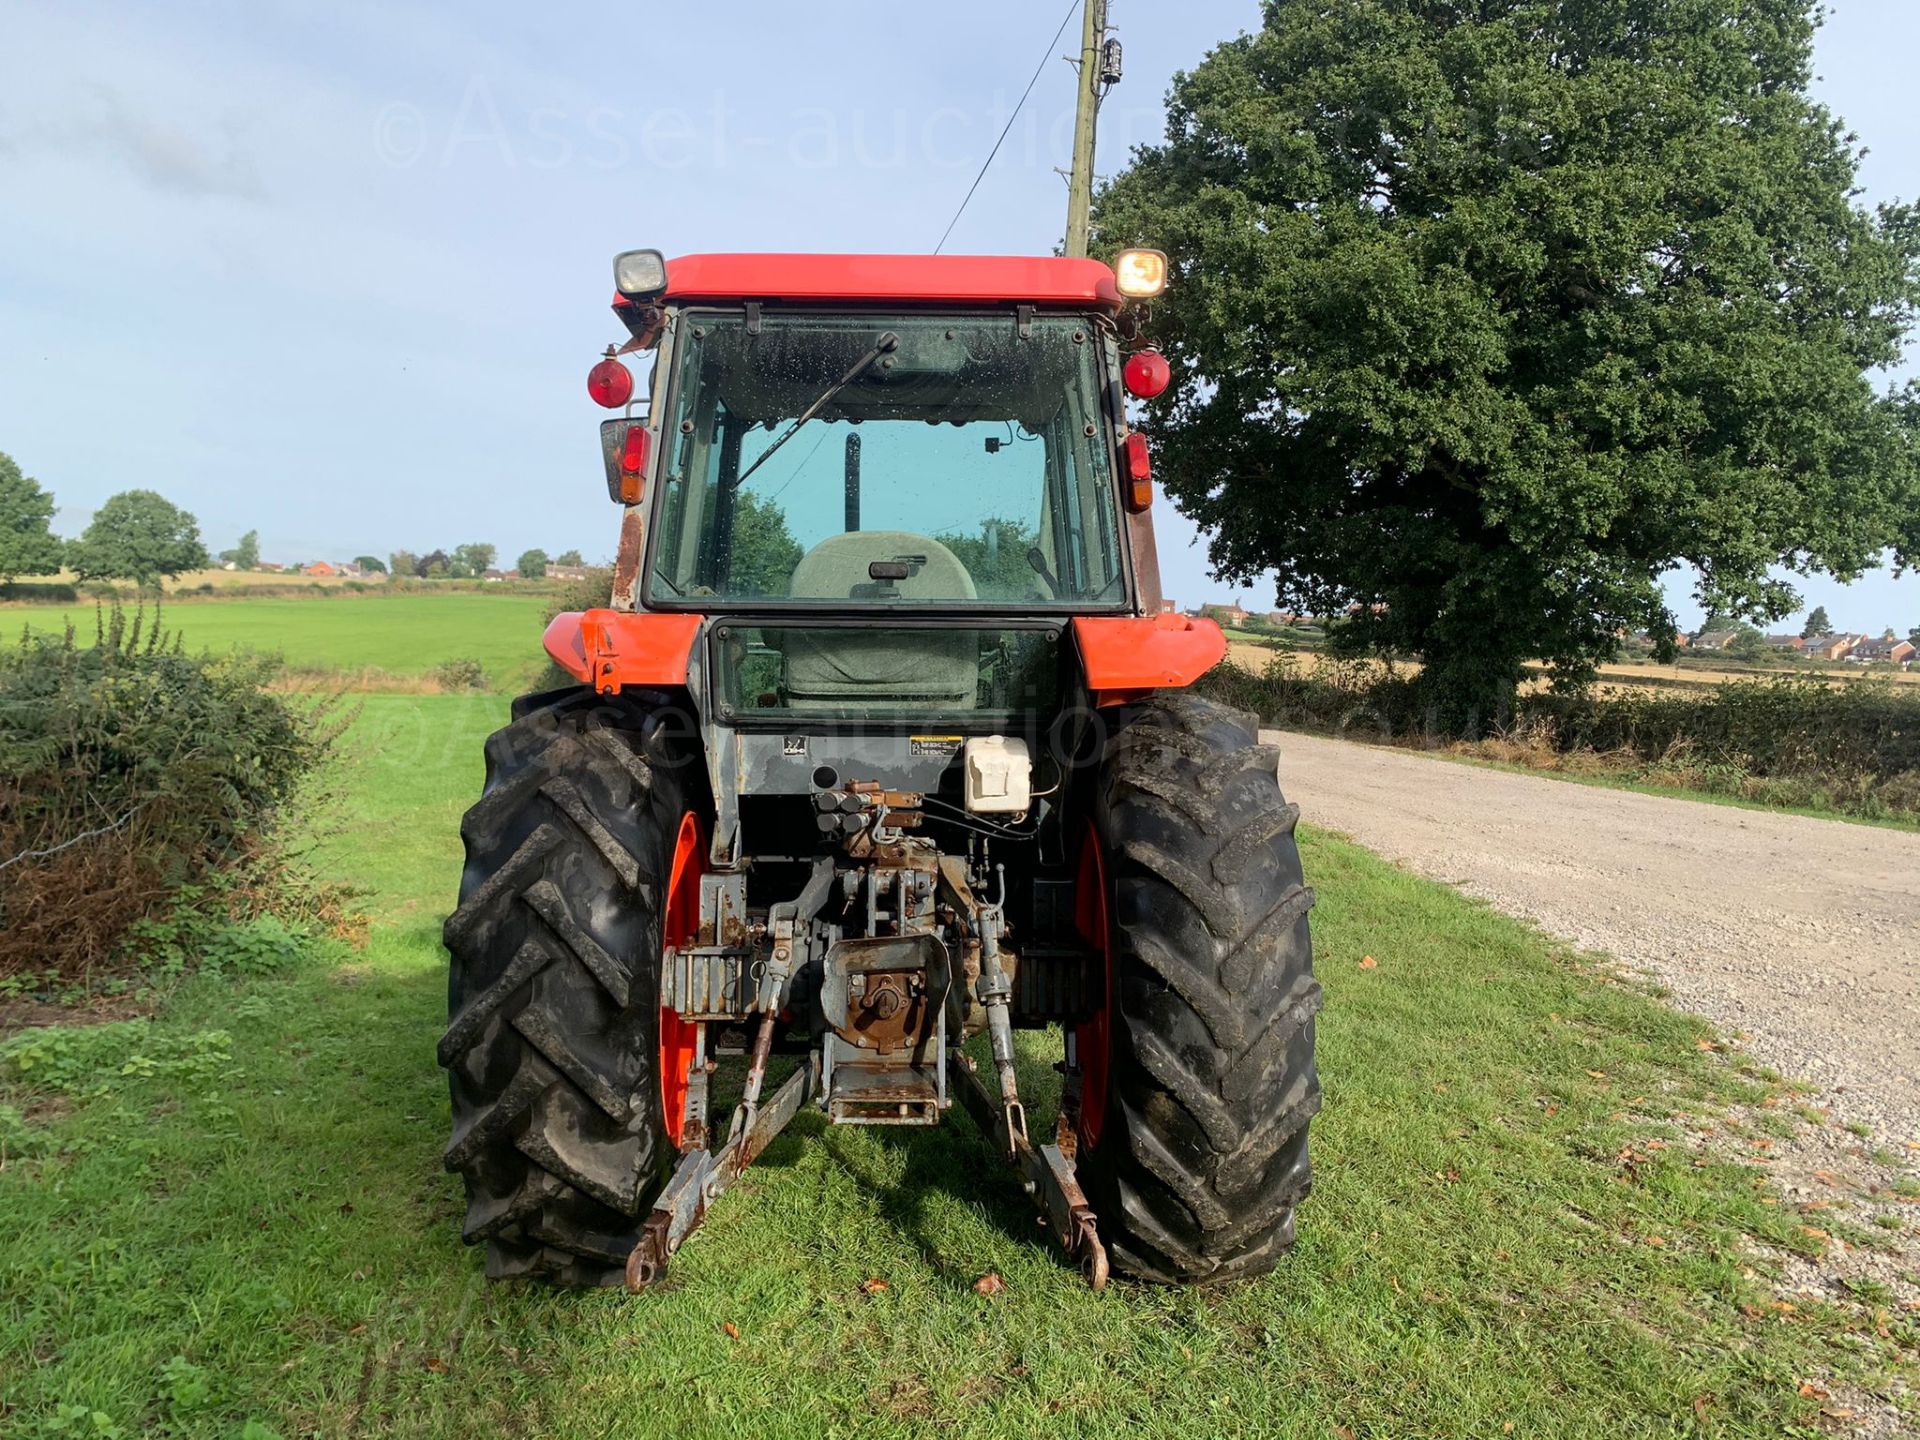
pixel 900 279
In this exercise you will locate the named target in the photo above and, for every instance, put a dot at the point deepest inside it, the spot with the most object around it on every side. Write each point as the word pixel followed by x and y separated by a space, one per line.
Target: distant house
pixel 1282 617
pixel 1167 607
pixel 494 576
pixel 566 572
pixel 1830 647
pixel 1715 639
pixel 1794 643
pixel 1641 640
pixel 350 570
pixel 269 567
pixel 321 567
pixel 1881 652
pixel 1233 615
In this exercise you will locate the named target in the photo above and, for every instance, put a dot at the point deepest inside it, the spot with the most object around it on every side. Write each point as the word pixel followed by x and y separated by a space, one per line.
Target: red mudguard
pixel 1124 657
pixel 611 648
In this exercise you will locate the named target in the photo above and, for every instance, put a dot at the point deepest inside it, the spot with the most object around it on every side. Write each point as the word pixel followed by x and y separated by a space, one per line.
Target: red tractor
pixel 881 742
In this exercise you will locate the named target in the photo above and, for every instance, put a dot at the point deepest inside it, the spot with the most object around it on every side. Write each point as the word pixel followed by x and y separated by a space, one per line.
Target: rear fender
pixel 1126 657
pixel 609 649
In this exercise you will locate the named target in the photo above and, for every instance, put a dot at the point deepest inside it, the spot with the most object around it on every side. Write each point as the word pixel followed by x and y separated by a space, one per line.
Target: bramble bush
pixel 136 782
pixel 460 674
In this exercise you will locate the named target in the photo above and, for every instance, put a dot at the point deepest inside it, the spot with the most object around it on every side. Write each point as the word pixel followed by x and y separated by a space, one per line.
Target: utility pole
pixel 1093 35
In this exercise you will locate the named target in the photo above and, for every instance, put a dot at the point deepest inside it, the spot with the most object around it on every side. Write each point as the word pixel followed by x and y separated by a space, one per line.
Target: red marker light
pixel 633 466
pixel 610 383
pixel 633 456
pixel 1146 374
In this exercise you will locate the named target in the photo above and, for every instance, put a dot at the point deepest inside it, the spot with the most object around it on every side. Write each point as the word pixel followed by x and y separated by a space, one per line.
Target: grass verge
pixel 244 1220
pixel 1643 780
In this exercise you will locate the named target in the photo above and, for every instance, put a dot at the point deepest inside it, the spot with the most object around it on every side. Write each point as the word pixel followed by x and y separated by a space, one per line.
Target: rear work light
pixel 1139 490
pixel 639 274
pixel 1140 274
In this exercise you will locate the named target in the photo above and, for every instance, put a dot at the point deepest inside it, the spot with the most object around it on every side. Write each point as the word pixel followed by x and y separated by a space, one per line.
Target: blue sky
pixel 337 272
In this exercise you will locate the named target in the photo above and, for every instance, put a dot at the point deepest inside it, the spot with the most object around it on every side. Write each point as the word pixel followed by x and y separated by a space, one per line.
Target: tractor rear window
pixel 856 671
pixel 887 461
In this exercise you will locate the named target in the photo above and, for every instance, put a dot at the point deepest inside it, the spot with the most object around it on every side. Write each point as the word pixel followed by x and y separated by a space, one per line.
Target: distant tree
pixel 372 564
pixel 472 559
pixel 433 564
pixel 1748 643
pixel 532 565
pixel 1488 314
pixel 403 562
pixel 245 555
pixel 1817 623
pixel 568 557
pixel 28 545
pixel 997 558
pixel 1888 634
pixel 764 551
pixel 138 535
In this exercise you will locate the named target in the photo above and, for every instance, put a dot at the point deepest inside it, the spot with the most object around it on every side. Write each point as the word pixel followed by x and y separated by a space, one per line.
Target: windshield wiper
pixel 885 345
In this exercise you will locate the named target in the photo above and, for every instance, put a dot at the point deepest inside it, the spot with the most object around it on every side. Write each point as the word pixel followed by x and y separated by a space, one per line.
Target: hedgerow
pixel 1787 740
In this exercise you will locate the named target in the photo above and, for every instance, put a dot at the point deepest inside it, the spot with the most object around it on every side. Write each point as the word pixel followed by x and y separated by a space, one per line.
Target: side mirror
pixel 624 446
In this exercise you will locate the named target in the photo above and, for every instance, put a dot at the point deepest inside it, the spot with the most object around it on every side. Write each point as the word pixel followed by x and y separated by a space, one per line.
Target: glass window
pixel 856 671
pixel 891 461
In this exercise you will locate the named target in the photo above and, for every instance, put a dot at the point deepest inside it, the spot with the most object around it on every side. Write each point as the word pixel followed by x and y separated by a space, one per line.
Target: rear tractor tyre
pixel 555 1052
pixel 1199 1074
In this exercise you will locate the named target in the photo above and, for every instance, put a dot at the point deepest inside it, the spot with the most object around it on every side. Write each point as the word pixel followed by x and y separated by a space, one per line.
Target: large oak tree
pixel 1486 315
pixel 138 535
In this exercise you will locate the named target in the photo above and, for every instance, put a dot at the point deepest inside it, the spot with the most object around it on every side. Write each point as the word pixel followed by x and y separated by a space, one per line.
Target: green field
pixel 402 635
pixel 236 1213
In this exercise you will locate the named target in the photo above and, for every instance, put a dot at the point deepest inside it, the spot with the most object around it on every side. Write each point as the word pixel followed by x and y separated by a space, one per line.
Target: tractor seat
pixel 871 670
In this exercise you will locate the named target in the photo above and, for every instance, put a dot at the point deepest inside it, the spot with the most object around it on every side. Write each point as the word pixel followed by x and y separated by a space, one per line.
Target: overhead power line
pixel 1048 55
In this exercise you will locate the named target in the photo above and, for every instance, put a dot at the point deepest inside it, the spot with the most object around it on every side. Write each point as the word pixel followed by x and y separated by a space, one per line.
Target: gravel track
pixel 1802 934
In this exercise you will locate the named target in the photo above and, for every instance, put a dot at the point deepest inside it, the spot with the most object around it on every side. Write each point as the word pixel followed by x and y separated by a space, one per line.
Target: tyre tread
pixel 553 990
pixel 1203 1157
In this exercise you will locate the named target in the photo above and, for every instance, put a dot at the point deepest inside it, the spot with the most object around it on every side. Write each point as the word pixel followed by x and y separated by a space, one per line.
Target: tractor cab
pixel 975 402
pixel 934 470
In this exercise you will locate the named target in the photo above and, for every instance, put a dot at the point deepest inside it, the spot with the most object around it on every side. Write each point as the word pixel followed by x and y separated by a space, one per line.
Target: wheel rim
pixel 680 923
pixel 1093 1040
